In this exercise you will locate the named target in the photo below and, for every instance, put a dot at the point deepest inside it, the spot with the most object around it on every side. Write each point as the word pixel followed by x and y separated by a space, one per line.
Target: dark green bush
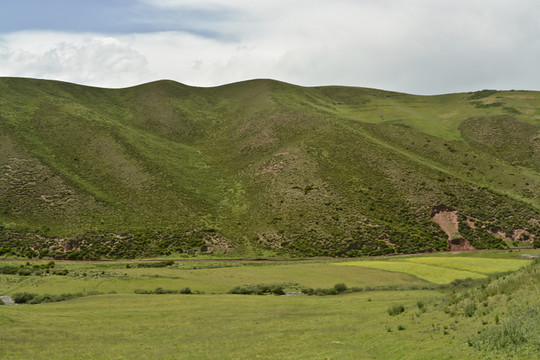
pixel 31 298
pixel 152 264
pixel 25 271
pixel 258 289
pixel 9 270
pixel 341 287
pixel 396 310
pixel 23 297
pixel 161 291
pixel 62 272
pixel 481 94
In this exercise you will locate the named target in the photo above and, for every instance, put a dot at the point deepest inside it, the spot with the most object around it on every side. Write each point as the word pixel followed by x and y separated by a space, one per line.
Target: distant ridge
pixel 262 167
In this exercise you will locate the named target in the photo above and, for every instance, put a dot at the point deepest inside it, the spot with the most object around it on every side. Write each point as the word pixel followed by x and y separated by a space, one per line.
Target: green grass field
pixel 213 327
pixel 208 277
pixel 437 322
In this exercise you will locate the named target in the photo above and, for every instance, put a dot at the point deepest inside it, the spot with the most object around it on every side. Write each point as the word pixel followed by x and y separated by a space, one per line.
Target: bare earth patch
pixel 447 219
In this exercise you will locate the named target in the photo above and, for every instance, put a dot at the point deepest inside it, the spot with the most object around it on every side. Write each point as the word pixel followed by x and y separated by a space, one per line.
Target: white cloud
pixel 86 59
pixel 419 46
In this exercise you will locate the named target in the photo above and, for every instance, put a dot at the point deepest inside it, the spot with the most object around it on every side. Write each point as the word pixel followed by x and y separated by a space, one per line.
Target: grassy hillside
pixel 263 167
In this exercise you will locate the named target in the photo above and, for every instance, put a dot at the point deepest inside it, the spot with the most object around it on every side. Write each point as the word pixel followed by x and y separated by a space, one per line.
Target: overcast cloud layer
pixel 415 46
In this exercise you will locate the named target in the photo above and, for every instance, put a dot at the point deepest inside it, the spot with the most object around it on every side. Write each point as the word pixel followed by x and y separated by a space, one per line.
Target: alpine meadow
pixel 262 219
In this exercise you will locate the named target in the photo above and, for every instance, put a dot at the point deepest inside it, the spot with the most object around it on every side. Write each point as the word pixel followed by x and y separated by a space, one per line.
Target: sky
pixel 413 46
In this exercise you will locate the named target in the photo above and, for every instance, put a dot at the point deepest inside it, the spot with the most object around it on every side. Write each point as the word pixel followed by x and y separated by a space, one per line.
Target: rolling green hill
pixel 263 167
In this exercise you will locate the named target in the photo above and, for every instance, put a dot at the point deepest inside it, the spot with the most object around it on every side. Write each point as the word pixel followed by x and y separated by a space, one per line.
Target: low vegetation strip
pixel 431 273
pixel 161 291
pixel 479 265
pixel 259 289
pixel 31 298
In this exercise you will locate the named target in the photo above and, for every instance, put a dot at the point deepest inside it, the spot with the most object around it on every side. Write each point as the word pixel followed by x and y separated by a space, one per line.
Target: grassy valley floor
pixel 384 314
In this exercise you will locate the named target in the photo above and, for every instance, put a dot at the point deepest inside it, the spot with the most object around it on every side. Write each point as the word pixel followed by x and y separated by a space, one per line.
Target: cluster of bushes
pixel 519 334
pixel 28 269
pixel 481 94
pixel 343 289
pixel 479 237
pixel 99 245
pixel 400 234
pixel 151 264
pixel 31 298
pixel 395 310
pixel 462 283
pixel 481 105
pixel 499 212
pixel 336 290
pixel 258 289
pixel 468 302
pixel 161 291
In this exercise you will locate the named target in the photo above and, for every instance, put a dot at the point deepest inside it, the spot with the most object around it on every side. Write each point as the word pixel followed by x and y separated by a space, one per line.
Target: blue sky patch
pixel 109 17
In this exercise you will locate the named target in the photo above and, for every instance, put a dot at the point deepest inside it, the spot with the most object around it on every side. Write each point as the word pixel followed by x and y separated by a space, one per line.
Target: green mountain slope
pixel 263 167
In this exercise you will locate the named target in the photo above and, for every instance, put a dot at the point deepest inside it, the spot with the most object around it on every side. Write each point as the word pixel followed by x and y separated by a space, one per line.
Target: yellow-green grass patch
pixel 431 273
pixel 479 265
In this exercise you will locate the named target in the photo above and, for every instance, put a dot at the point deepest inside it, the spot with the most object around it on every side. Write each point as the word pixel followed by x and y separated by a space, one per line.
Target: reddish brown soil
pixel 447 219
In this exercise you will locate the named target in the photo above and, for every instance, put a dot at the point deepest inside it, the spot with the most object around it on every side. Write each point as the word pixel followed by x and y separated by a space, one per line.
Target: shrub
pixel 62 272
pixel 8 270
pixel 152 264
pixel 23 297
pixel 258 289
pixel 469 308
pixel 25 272
pixel 277 290
pixel 396 310
pixel 336 290
pixel 481 94
pixel 161 291
pixel 518 334
pixel 30 298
